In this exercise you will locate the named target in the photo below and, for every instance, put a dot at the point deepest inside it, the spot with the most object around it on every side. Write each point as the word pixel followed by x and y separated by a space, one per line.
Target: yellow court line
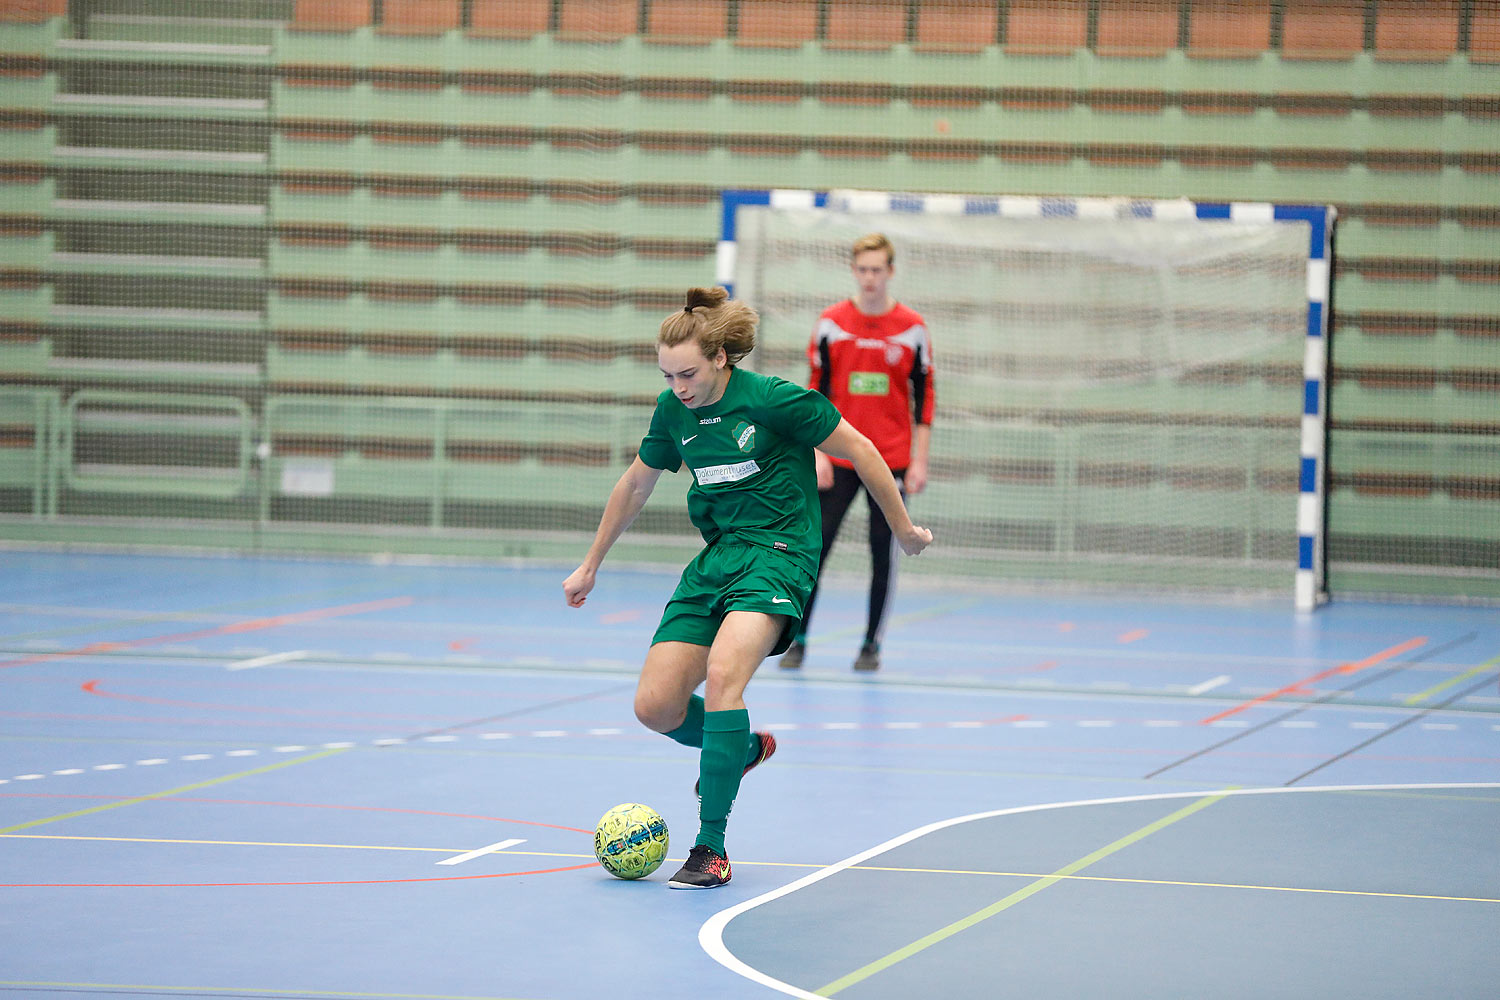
pixel 905 619
pixel 172 791
pixel 1420 796
pixel 1183 884
pixel 1422 696
pixel 780 864
pixel 942 934
pixel 785 864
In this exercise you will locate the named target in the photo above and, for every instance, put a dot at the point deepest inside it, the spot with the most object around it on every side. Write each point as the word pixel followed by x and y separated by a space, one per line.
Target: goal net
pixel 1128 393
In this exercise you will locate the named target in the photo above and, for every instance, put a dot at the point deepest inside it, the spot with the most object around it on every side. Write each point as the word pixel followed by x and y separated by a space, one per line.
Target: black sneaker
pixel 792 658
pixel 705 869
pixel 767 748
pixel 868 658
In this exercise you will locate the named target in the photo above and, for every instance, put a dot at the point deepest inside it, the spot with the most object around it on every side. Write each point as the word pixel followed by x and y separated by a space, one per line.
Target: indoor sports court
pixel 328 326
pixel 264 777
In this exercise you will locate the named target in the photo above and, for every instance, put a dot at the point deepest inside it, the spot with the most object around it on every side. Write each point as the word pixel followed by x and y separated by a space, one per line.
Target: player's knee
pixel 655 714
pixel 725 686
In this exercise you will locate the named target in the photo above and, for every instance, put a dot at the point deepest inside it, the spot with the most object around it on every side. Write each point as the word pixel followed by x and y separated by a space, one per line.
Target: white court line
pixel 711 934
pixel 443 738
pixel 471 855
pixel 266 661
pixel 1209 685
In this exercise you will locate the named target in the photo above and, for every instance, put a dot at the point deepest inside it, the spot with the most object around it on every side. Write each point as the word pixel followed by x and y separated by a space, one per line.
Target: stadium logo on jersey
pixel 744 436
pixel 869 383
pixel 709 420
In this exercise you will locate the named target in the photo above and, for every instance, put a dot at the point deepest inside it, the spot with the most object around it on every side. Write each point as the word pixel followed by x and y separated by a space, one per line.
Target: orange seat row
pixel 1297 29
pixel 1307 29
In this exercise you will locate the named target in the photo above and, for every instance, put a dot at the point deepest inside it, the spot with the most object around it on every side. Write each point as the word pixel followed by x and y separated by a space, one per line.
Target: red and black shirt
pixel 878 371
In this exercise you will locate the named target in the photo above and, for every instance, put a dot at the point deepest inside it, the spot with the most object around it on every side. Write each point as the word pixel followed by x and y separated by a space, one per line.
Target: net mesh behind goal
pixel 1119 398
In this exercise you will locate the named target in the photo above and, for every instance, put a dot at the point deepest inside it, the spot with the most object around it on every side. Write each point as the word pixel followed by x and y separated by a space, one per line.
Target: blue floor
pixel 227 777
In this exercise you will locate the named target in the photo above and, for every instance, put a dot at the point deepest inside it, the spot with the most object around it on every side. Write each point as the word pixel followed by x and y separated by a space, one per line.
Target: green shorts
pixel 732 576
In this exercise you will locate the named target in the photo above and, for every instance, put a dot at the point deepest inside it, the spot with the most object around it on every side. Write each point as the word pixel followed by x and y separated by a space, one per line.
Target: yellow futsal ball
pixel 631 840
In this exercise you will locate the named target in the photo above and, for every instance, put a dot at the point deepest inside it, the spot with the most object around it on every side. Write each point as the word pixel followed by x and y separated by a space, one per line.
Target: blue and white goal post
pixel 1309 577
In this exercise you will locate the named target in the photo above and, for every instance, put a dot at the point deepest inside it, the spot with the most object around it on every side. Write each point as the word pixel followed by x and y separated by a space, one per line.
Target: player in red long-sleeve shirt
pixel 872 357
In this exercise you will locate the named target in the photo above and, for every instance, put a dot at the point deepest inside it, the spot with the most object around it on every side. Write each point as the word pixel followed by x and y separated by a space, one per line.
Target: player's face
pixel 695 380
pixel 872 270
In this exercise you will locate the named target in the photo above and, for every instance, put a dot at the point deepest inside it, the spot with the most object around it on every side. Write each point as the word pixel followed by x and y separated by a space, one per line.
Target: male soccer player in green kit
pixel 748 440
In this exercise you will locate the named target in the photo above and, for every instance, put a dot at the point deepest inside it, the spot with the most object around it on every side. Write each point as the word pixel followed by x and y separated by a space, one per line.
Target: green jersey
pixel 751 456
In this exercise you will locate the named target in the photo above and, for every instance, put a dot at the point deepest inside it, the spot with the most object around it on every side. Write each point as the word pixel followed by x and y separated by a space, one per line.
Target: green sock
pixel 690 733
pixel 720 766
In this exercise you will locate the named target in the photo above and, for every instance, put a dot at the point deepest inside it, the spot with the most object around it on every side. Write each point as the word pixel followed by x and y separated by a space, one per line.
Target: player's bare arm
pixel 625 502
pixel 916 471
pixel 824 470
pixel 849 444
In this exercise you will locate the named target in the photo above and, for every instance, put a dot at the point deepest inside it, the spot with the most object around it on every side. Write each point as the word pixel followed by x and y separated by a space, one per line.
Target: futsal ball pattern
pixel 631 840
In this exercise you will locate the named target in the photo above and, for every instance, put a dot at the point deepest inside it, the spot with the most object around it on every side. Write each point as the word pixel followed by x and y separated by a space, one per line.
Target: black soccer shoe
pixel 705 869
pixel 868 658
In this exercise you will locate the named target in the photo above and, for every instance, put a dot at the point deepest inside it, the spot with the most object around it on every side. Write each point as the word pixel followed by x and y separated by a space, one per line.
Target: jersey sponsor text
pixel 714 474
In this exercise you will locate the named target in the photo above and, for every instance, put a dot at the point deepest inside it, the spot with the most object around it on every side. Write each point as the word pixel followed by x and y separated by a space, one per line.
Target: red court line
pixel 1032 668
pixel 303 805
pixel 1300 687
pixel 92 687
pixel 233 628
pixel 241 885
pixel 326 726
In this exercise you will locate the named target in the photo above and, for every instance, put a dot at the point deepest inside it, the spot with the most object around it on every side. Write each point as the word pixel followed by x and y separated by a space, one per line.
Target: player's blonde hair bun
pixel 716 321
